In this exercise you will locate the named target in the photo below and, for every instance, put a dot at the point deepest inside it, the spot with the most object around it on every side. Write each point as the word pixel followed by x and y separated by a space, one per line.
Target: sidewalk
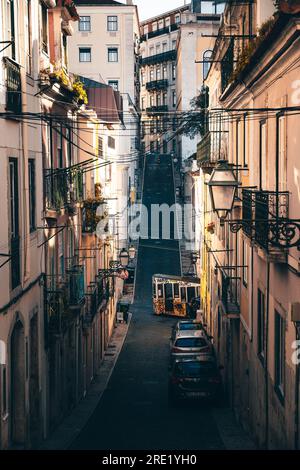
pixel 66 433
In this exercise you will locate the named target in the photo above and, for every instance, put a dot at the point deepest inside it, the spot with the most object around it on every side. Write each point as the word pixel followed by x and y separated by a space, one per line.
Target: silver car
pixel 191 343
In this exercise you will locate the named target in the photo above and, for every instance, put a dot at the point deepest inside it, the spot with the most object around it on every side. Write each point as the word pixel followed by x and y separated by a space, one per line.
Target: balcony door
pixel 14 222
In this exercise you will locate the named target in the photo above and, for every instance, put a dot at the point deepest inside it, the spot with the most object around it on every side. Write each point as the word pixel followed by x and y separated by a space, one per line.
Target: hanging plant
pixel 80 92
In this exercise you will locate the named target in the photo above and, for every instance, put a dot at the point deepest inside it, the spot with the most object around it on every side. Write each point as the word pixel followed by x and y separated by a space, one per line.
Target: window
pixel 282 164
pixel 174 71
pixel 261 312
pixel 32 194
pixel 206 63
pixel 111 142
pixel 177 19
pixel 112 23
pixel 165 99
pixel 263 155
pixel 245 262
pixel 113 54
pixel 154 26
pixel 143 104
pixel 14 222
pixel 158 73
pixel 174 98
pixel 151 100
pixel 279 353
pixel 160 24
pixel 157 48
pixel 158 99
pixel 44 14
pixel 114 84
pixel 151 51
pixel 84 23
pixel 85 54
pixel 151 75
pixel 28 29
pixel 165 72
pixel 100 147
pixel 167 22
pixel 174 42
pixel 10 29
pixel 164 47
pixel 143 78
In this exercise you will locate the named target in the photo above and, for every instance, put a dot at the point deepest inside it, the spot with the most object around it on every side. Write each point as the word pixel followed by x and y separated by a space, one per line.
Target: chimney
pixel 129 2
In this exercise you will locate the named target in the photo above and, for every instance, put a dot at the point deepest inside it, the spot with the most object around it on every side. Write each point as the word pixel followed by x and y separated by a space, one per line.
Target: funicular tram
pixel 174 295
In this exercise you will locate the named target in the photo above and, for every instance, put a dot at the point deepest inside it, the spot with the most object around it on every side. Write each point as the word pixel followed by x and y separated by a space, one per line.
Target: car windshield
pixel 190 343
pixel 190 326
pixel 195 369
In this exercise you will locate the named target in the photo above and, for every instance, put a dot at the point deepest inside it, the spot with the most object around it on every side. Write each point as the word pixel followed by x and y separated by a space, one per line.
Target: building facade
pixel 158 75
pixel 104 48
pixel 250 263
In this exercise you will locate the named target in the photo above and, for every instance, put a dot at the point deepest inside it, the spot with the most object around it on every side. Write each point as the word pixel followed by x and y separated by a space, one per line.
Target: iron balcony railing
pixel 56 309
pixel 159 58
pixel 76 285
pixel 13 86
pixel 204 149
pixel 159 32
pixel 157 109
pixel 157 85
pixel 61 188
pixel 263 213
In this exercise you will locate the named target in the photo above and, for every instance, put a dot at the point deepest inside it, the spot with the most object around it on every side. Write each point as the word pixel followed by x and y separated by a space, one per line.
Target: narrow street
pixel 134 412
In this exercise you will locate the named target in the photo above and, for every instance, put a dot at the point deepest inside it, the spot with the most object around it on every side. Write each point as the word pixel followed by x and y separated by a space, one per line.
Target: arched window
pixel 206 63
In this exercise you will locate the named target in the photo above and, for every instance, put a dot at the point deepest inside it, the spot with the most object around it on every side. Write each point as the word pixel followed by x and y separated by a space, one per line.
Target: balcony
pixel 159 58
pixel 157 109
pixel 157 85
pixel 13 86
pixel 159 32
pixel 55 310
pixel 208 152
pixel 265 219
pixel 97 298
pixel 62 189
pixel 76 286
pixel 229 301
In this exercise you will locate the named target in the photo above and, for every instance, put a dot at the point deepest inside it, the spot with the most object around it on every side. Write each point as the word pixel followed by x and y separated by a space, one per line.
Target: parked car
pixel 186 325
pixel 191 343
pixel 196 378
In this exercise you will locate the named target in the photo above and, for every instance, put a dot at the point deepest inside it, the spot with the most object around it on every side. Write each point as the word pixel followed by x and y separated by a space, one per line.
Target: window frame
pixel 32 194
pixel 111 22
pixel 80 50
pixel 261 324
pixel 110 54
pixel 114 84
pixel 279 351
pixel 88 22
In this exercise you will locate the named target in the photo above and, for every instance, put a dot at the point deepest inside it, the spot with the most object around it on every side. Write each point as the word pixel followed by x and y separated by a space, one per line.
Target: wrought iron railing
pixel 157 109
pixel 13 86
pixel 228 296
pixel 265 215
pixel 159 58
pixel 204 149
pixel 159 32
pixel 62 188
pixel 157 85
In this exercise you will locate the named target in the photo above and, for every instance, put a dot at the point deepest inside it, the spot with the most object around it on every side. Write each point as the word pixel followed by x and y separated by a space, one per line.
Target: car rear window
pixel 190 343
pixel 190 326
pixel 195 369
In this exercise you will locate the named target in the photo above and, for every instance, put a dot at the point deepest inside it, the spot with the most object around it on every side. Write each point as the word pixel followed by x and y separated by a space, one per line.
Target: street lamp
pixel 222 187
pixel 124 258
pixel 131 252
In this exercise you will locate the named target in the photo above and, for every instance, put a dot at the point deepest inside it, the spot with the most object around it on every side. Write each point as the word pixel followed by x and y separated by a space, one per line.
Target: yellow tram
pixel 173 295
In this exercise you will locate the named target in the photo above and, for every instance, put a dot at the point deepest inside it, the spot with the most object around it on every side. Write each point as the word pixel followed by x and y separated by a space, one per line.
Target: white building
pixel 104 48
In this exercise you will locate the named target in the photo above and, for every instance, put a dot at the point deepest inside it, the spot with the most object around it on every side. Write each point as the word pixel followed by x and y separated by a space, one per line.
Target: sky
pixel 149 8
